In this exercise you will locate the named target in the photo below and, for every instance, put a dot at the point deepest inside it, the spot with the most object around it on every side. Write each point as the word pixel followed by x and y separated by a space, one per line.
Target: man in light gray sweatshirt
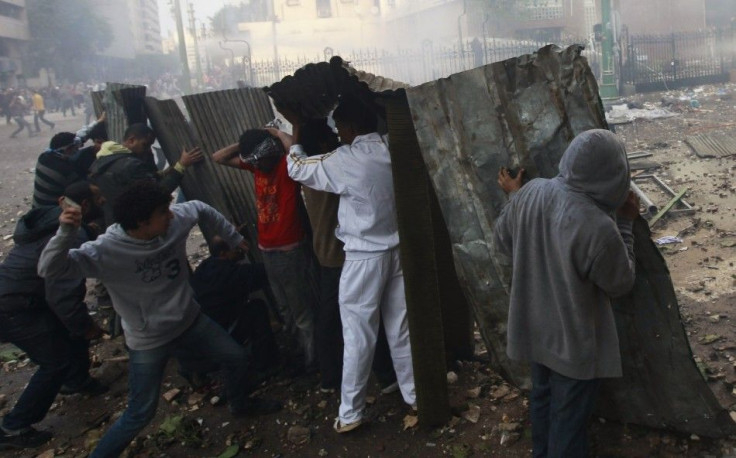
pixel 571 244
pixel 143 262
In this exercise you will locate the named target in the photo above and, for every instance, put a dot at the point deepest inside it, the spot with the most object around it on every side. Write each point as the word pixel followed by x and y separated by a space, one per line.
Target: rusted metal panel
pixel 523 113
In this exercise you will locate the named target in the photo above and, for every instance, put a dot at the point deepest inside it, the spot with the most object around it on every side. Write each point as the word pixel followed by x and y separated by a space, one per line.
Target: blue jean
pixel 61 359
pixel 560 408
pixel 204 339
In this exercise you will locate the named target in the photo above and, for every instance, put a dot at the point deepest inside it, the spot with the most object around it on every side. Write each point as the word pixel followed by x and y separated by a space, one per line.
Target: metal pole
pixel 276 66
pixel 608 89
pixel 186 83
pixel 651 208
pixel 193 31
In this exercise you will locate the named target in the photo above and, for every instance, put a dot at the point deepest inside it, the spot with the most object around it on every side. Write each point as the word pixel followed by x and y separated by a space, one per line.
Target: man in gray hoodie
pixel 571 244
pixel 142 260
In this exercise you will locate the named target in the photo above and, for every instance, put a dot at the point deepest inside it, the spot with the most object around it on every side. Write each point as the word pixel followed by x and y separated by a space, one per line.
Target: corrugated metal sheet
pixel 313 89
pixel 218 118
pixel 97 102
pixel 375 83
pixel 717 144
pixel 124 106
pixel 524 112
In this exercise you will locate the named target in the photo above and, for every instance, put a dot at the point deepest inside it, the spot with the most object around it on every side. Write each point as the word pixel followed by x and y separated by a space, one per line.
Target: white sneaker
pixel 340 427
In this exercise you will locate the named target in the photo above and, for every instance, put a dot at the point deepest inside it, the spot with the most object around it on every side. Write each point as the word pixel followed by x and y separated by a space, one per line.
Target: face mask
pixel 268 149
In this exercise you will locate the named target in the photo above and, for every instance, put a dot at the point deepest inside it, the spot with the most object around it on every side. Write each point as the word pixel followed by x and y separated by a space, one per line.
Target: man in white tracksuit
pixel 372 281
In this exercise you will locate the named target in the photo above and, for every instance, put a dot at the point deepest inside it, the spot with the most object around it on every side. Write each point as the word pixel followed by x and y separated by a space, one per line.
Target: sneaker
pixel 341 427
pixel 92 387
pixel 327 390
pixel 197 380
pixel 257 406
pixel 392 388
pixel 28 439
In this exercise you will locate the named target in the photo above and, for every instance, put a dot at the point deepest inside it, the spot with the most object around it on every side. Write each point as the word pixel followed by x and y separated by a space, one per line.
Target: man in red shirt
pixel 281 235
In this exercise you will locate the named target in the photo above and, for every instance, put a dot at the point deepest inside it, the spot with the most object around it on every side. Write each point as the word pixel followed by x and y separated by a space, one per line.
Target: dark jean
pixel 22 124
pixel 61 359
pixel 204 339
pixel 328 336
pixel 291 275
pixel 39 115
pixel 560 408
pixel 248 323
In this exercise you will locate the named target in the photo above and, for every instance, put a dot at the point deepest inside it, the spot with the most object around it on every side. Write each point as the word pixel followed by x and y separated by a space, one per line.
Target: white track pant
pixel 370 288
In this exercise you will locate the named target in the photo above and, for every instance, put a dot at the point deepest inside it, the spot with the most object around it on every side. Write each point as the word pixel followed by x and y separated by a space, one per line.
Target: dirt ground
pixel 491 417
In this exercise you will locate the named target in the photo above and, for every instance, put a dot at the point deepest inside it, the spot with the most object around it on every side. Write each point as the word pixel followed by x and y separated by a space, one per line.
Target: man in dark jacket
pixel 47 319
pixel 120 165
pixel 64 163
pixel 222 285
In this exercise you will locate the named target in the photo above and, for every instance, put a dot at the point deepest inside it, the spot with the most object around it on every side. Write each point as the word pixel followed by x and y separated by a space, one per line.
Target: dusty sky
pixel 202 10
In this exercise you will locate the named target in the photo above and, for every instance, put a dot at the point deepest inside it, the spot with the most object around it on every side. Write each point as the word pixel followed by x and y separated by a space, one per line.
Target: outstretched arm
pixel 210 217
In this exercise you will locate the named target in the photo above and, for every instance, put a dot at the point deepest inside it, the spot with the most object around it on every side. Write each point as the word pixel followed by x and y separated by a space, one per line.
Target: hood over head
pixel 36 224
pixel 595 164
pixel 110 148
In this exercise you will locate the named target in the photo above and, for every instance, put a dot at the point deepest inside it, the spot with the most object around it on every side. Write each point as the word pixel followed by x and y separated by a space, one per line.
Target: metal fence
pixel 412 66
pixel 649 62
pixel 660 62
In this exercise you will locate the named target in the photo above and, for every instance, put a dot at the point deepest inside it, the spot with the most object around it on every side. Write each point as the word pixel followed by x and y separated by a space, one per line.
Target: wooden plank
pixel 667 207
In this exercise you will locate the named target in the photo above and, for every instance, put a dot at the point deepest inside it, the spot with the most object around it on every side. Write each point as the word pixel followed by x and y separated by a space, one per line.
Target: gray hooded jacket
pixel 148 280
pixel 569 256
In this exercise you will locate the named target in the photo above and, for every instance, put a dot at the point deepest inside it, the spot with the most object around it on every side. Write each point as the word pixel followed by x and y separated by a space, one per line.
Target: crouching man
pixel 570 239
pixel 48 320
pixel 142 261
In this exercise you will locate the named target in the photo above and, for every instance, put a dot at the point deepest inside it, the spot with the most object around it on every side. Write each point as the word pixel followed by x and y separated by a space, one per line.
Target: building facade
pixel 135 27
pixel 14 35
pixel 146 26
pixel 662 16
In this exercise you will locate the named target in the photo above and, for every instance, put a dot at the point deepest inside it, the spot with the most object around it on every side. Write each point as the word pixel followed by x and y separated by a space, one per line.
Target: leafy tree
pixel 63 33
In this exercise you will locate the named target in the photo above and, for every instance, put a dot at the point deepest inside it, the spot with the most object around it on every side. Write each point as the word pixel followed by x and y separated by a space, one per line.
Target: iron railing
pixel 413 66
pixel 669 60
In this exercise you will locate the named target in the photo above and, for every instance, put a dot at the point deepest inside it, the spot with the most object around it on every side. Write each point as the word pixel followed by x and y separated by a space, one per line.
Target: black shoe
pixel 29 439
pixel 92 387
pixel 257 406
pixel 196 380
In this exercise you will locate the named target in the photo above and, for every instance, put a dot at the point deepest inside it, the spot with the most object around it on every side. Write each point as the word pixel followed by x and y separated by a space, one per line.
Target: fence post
pixel 674 58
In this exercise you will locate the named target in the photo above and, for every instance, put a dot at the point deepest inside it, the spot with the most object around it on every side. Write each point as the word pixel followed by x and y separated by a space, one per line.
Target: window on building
pixel 324 8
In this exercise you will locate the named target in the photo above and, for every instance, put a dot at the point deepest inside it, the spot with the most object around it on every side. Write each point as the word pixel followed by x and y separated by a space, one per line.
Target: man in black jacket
pixel 222 285
pixel 120 165
pixel 47 319
pixel 64 163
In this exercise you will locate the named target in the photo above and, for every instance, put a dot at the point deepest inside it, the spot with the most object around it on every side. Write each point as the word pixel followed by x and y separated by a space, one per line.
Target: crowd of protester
pixel 329 243
pixel 96 206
